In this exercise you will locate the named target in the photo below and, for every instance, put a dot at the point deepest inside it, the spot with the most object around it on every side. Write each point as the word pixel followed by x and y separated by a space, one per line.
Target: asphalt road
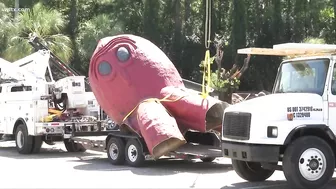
pixel 56 168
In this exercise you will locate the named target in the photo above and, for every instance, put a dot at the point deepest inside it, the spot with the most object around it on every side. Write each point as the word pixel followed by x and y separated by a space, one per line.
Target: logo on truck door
pixel 302 111
pixel 332 104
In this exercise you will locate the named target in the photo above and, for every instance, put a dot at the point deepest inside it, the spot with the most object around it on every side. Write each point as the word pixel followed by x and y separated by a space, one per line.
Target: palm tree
pixel 47 24
pixel 4 18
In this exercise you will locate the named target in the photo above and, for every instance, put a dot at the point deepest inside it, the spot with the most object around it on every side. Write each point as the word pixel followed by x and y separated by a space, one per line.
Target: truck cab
pixel 293 128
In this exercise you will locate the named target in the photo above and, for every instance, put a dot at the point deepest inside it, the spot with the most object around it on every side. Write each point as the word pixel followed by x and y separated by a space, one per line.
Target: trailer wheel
pixel 134 154
pixel 71 146
pixel 251 171
pixel 116 151
pixel 308 163
pixel 37 144
pixel 24 142
pixel 208 159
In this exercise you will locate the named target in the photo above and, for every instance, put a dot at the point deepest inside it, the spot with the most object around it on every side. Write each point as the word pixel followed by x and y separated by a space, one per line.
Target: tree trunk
pixel 73 26
pixel 299 21
pixel 187 18
pixel 151 21
pixel 177 35
pixel 277 22
pixel 288 22
pixel 238 35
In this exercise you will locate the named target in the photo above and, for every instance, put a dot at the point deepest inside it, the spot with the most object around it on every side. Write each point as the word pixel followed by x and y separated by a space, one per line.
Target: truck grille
pixel 236 125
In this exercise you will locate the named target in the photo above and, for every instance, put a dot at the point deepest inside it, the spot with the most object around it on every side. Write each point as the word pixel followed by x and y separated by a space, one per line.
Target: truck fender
pixel 17 123
pixel 320 130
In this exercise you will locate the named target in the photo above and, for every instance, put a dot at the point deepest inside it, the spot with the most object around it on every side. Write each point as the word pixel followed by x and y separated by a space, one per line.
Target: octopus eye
pixel 123 54
pixel 104 68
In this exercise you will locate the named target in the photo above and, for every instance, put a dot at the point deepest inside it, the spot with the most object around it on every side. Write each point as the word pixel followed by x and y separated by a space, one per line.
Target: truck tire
pixel 71 146
pixel 251 171
pixel 208 159
pixel 134 153
pixel 24 142
pixel 116 151
pixel 308 162
pixel 37 144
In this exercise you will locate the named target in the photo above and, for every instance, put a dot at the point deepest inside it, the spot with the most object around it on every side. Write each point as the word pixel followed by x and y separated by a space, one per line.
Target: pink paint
pixel 143 71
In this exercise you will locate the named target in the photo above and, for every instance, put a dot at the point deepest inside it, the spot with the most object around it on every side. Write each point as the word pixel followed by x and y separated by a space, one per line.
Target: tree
pixel 225 81
pixel 177 27
pixel 4 19
pixel 177 40
pixel 48 24
pixel 151 21
pixel 91 32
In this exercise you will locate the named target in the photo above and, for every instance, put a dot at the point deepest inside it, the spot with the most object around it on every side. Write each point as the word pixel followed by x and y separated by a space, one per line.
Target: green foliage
pixel 48 24
pixel 92 31
pixel 202 64
pixel 176 26
pixel 224 84
pixel 313 40
pixel 4 19
pixel 222 81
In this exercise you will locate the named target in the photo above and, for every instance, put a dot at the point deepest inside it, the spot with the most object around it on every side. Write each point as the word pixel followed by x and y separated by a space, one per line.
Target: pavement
pixel 53 167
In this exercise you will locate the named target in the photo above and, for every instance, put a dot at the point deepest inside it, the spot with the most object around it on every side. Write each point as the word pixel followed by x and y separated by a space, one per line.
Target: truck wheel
pixel 37 144
pixel 308 163
pixel 24 142
pixel 251 171
pixel 134 154
pixel 71 146
pixel 116 151
pixel 208 159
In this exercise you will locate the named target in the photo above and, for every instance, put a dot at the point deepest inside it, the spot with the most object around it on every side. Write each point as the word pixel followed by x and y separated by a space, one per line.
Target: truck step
pixel 5 138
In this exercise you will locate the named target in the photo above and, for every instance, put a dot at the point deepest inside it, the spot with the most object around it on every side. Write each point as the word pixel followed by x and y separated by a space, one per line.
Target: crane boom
pixel 58 68
pixel 57 62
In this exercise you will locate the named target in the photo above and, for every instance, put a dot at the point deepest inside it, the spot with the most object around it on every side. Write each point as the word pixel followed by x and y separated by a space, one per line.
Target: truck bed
pixel 199 150
pixel 189 150
pixel 95 143
pixel 91 138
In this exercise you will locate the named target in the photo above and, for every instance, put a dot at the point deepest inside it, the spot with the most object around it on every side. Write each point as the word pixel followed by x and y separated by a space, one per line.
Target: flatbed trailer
pixel 126 147
pixel 101 139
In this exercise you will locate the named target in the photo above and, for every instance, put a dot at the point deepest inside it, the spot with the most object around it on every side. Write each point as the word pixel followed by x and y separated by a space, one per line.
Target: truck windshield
pixel 304 76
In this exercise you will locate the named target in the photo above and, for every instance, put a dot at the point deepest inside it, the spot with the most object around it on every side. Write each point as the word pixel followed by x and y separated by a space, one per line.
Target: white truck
pixel 293 129
pixel 35 106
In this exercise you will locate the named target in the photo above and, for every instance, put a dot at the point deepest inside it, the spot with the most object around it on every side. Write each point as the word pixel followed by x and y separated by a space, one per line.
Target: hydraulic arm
pixel 59 69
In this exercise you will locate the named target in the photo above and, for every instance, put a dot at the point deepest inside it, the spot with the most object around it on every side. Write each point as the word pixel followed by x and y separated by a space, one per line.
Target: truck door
pixel 332 100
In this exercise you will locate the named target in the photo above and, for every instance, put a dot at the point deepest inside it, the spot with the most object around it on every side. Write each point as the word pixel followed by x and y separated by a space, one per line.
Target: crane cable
pixel 207 63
